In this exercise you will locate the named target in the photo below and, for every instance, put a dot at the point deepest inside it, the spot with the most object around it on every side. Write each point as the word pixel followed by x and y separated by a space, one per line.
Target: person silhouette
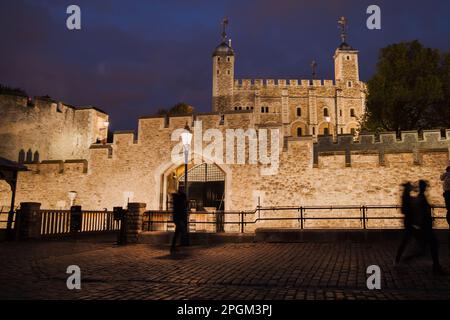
pixel 408 232
pixel 180 218
pixel 445 178
pixel 425 221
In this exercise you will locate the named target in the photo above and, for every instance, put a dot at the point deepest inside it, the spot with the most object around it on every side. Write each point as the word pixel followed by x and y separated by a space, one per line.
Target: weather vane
pixel 343 24
pixel 224 26
pixel 313 67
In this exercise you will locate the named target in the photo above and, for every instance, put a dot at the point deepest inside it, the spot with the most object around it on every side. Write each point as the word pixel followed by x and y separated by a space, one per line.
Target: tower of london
pixel 303 107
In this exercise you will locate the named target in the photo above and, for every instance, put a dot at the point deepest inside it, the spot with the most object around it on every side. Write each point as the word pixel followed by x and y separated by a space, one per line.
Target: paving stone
pixel 332 271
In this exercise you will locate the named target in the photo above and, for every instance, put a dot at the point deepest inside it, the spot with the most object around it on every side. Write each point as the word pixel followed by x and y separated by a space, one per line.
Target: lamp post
pixel 186 138
pixel 72 196
pixel 328 120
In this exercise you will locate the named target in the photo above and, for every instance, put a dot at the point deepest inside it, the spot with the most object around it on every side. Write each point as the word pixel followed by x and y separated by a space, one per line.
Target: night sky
pixel 133 57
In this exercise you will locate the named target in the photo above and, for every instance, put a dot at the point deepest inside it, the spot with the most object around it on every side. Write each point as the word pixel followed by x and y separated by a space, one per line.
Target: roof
pixel 223 49
pixel 345 46
pixel 9 165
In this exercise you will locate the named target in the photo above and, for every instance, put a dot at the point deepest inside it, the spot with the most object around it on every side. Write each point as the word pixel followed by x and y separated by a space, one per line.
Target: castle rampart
pixel 44 129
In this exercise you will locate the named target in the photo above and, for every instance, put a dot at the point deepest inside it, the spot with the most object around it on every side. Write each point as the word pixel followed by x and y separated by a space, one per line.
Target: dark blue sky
pixel 133 57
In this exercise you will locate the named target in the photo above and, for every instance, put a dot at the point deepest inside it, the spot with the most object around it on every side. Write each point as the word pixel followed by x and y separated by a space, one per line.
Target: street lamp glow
pixel 328 119
pixel 186 137
pixel 72 196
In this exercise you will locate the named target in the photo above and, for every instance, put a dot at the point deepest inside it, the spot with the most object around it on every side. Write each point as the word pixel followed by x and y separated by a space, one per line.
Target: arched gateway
pixel 207 183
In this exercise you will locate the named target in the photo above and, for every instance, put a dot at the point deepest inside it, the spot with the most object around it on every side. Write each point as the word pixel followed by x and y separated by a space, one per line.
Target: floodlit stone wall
pixel 312 172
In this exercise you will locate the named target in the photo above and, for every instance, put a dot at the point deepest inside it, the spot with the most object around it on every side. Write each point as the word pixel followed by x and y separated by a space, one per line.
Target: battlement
pixel 211 119
pixel 47 128
pixel 385 143
pixel 281 83
pixel 40 104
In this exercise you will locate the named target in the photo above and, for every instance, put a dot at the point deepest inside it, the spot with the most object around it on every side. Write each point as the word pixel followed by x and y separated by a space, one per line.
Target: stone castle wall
pixel 47 130
pixel 365 172
pixel 284 97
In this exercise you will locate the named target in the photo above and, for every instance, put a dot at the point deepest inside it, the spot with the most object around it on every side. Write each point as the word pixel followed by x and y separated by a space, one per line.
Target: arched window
pixel 349 84
pixel 352 112
pixel 299 132
pixel 314 130
pixel 325 112
pixel 299 112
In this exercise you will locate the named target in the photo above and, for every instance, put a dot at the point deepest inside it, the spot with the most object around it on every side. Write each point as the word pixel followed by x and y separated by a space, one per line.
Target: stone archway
pixel 298 128
pixel 325 127
pixel 206 184
pixel 164 171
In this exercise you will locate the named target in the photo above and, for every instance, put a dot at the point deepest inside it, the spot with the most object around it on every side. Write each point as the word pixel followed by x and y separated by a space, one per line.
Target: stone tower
pixel 346 64
pixel 345 60
pixel 223 74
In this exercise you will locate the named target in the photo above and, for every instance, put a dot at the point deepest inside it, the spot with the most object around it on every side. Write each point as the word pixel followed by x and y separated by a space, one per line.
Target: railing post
pixel 133 221
pixel 364 216
pixel 76 218
pixel 28 221
pixel 301 217
pixel 242 222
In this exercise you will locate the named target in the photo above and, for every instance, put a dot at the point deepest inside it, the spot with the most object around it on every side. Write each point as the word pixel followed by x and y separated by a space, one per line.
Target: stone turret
pixel 223 74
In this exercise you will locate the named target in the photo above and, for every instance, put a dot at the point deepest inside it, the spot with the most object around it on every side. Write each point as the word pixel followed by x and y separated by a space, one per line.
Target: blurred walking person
pixel 445 178
pixel 180 218
pixel 408 232
pixel 422 209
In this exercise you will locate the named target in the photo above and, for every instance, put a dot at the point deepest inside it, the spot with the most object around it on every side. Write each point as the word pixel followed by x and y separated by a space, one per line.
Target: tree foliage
pixel 410 90
pixel 179 108
pixel 12 91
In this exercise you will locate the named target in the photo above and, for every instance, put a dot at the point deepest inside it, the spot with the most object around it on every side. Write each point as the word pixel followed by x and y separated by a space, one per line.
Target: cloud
pixel 131 58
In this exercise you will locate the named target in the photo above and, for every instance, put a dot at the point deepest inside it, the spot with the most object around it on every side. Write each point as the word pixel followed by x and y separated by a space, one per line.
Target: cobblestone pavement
pixel 230 271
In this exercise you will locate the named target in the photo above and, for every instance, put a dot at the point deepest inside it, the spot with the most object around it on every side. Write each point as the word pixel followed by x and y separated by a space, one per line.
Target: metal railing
pixel 4 213
pixel 57 222
pixel 199 221
pixel 302 217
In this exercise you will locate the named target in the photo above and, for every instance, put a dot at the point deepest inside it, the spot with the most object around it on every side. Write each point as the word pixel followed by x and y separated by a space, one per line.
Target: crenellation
pixel 100 152
pixel 388 137
pixel 410 143
pixel 432 136
pixel 124 137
